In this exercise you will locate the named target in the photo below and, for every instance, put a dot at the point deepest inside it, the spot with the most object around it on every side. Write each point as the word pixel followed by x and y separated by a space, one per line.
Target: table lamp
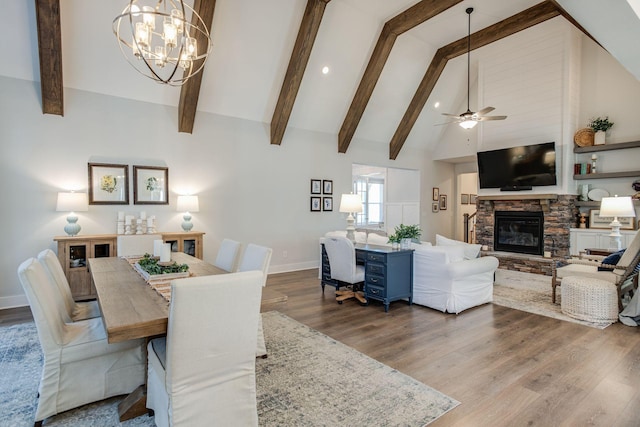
pixel 351 203
pixel 616 207
pixel 72 202
pixel 187 204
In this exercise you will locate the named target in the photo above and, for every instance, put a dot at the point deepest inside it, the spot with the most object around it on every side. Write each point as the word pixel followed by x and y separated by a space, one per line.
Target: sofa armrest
pixel 466 268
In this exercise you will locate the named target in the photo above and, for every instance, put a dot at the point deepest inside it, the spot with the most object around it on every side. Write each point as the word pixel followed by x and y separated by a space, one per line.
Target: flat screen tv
pixel 518 168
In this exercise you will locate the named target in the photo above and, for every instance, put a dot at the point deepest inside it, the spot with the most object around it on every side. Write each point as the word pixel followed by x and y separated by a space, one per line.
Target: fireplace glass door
pixel 521 232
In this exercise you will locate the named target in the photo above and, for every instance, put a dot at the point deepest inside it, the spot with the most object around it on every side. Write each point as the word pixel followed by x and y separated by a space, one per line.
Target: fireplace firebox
pixel 521 232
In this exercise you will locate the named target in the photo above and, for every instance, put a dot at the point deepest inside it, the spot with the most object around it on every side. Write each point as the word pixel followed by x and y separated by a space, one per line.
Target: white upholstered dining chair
pixel 80 366
pixel 136 244
pixel 75 310
pixel 203 371
pixel 256 257
pixel 227 254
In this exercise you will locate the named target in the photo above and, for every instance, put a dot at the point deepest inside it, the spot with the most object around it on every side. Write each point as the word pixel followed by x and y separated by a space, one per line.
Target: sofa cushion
pixel 611 260
pixel 471 250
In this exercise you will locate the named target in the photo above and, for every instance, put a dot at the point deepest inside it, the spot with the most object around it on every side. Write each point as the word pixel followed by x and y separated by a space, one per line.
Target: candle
pixel 127 221
pixel 120 215
pixel 143 215
pixel 149 221
pixel 166 253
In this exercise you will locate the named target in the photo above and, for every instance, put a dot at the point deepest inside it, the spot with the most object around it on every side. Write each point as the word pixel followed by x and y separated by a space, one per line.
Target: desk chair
pixel 342 259
pixel 257 257
pixel 75 310
pixel 80 366
pixel 227 254
pixel 203 372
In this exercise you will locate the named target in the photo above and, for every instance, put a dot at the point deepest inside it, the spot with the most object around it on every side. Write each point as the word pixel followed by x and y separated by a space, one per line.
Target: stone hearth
pixel 560 214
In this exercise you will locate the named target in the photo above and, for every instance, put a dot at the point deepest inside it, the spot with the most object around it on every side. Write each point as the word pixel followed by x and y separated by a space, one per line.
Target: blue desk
pixel 388 273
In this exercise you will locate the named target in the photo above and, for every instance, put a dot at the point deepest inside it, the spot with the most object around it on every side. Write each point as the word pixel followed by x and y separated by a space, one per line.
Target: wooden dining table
pixel 132 309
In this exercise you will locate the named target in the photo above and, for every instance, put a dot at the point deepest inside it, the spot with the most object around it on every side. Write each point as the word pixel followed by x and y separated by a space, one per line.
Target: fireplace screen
pixel 520 232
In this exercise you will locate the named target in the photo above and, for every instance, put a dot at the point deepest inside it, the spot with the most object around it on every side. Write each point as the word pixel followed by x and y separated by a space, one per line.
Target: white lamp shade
pixel 72 202
pixel 468 124
pixel 188 204
pixel 617 207
pixel 350 203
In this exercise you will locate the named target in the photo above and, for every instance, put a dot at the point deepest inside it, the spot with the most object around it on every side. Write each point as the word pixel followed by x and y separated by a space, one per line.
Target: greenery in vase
pixel 151 266
pixel 600 124
pixel 407 232
pixel 393 239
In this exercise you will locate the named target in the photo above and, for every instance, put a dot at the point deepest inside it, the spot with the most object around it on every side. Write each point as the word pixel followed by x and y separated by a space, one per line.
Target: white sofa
pixel 445 279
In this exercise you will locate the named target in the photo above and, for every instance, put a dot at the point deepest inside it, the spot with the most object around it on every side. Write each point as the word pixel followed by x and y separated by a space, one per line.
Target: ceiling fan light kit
pixel 469 119
pixel 159 38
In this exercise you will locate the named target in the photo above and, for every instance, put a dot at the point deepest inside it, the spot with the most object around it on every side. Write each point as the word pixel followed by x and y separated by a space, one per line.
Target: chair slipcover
pixel 80 366
pixel 75 310
pixel 227 254
pixel 207 377
pixel 257 257
pixel 136 244
pixel 445 281
pixel 342 258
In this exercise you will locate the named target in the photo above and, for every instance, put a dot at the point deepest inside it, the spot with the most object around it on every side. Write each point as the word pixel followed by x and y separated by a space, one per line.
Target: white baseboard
pixel 285 268
pixel 13 301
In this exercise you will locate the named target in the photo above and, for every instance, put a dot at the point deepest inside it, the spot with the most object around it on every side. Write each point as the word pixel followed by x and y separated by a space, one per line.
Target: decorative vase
pixel 405 243
pixel 599 138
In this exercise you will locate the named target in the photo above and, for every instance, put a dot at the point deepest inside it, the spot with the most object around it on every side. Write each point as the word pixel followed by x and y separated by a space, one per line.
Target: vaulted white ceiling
pixel 253 41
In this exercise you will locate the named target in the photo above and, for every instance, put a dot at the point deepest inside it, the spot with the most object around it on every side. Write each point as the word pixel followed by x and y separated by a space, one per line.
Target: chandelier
pixel 164 40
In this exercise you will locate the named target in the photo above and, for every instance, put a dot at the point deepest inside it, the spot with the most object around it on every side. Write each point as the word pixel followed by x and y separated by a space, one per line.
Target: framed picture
pixel 150 185
pixel 597 221
pixel 327 186
pixel 315 204
pixel 473 198
pixel 443 202
pixel 436 194
pixel 464 199
pixel 316 186
pixel 327 203
pixel 108 184
pixel 435 207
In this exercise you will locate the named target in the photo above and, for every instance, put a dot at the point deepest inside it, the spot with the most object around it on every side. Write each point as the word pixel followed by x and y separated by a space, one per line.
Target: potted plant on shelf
pixel 600 126
pixel 407 233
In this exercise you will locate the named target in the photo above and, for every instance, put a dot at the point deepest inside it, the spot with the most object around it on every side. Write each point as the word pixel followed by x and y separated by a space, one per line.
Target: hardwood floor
pixel 506 367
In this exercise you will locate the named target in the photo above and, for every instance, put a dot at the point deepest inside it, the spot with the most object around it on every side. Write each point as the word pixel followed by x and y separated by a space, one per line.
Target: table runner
pixel 161 285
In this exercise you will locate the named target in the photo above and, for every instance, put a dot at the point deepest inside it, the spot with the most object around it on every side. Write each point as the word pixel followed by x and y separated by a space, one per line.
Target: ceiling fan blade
pixel 445 123
pixel 485 110
pixel 451 115
pixel 485 118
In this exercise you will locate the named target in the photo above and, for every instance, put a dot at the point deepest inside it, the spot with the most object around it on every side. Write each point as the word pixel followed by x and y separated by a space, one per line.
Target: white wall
pixel 249 190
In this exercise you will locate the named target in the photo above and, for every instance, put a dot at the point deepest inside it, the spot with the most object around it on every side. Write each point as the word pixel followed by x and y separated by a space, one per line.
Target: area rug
pixel 308 379
pixel 531 293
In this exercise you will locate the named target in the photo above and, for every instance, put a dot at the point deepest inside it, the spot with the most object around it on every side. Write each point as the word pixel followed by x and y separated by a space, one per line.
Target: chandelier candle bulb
pixel 170 33
pixel 178 19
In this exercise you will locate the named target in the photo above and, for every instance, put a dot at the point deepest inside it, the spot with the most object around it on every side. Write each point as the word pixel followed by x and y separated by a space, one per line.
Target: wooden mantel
pixel 545 199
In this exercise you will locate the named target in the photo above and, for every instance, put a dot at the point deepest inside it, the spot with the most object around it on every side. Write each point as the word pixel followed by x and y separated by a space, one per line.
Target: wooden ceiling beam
pixel 190 90
pixel 521 21
pixel 410 18
pixel 50 52
pixel 297 64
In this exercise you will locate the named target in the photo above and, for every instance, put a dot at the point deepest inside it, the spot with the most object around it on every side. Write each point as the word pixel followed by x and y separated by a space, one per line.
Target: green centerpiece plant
pixel 404 234
pixel 600 124
pixel 153 267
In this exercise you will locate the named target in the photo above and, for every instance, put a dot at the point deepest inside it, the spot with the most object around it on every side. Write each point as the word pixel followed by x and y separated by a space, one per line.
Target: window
pixel 370 187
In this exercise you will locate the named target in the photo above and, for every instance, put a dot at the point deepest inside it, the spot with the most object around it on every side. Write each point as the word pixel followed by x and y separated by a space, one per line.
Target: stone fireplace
pixel 519 250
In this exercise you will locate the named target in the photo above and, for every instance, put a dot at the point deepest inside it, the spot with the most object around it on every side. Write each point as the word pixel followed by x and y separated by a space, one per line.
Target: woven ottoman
pixel 589 299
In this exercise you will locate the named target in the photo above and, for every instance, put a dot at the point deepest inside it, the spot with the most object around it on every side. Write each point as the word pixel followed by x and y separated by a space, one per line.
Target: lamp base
pixel 615 238
pixel 187 225
pixel 351 235
pixel 72 228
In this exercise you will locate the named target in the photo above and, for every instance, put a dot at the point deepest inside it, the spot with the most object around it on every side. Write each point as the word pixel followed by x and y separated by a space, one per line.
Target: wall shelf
pixel 594 204
pixel 607 175
pixel 516 196
pixel 606 147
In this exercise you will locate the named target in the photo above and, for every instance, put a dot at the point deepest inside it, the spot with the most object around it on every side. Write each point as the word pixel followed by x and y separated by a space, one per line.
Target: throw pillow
pixel 611 260
pixel 471 250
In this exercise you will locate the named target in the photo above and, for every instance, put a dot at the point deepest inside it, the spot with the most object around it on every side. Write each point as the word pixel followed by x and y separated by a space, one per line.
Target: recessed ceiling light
pixel 325 70
pixel 436 105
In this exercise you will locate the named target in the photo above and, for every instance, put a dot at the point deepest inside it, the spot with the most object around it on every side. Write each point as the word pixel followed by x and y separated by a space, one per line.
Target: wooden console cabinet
pixel 73 252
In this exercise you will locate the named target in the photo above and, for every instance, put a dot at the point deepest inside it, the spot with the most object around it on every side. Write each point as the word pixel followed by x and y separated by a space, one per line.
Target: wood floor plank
pixel 507 367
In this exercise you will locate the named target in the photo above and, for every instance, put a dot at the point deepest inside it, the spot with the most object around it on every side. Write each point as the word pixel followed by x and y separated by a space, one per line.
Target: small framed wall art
pixel 436 194
pixel 473 198
pixel 108 184
pixel 316 186
pixel 464 199
pixel 327 186
pixel 150 185
pixel 443 202
pixel 435 207
pixel 327 204
pixel 316 204
pixel 597 221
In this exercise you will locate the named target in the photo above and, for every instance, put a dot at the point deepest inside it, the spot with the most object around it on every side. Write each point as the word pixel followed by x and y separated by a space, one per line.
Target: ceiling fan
pixel 469 119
